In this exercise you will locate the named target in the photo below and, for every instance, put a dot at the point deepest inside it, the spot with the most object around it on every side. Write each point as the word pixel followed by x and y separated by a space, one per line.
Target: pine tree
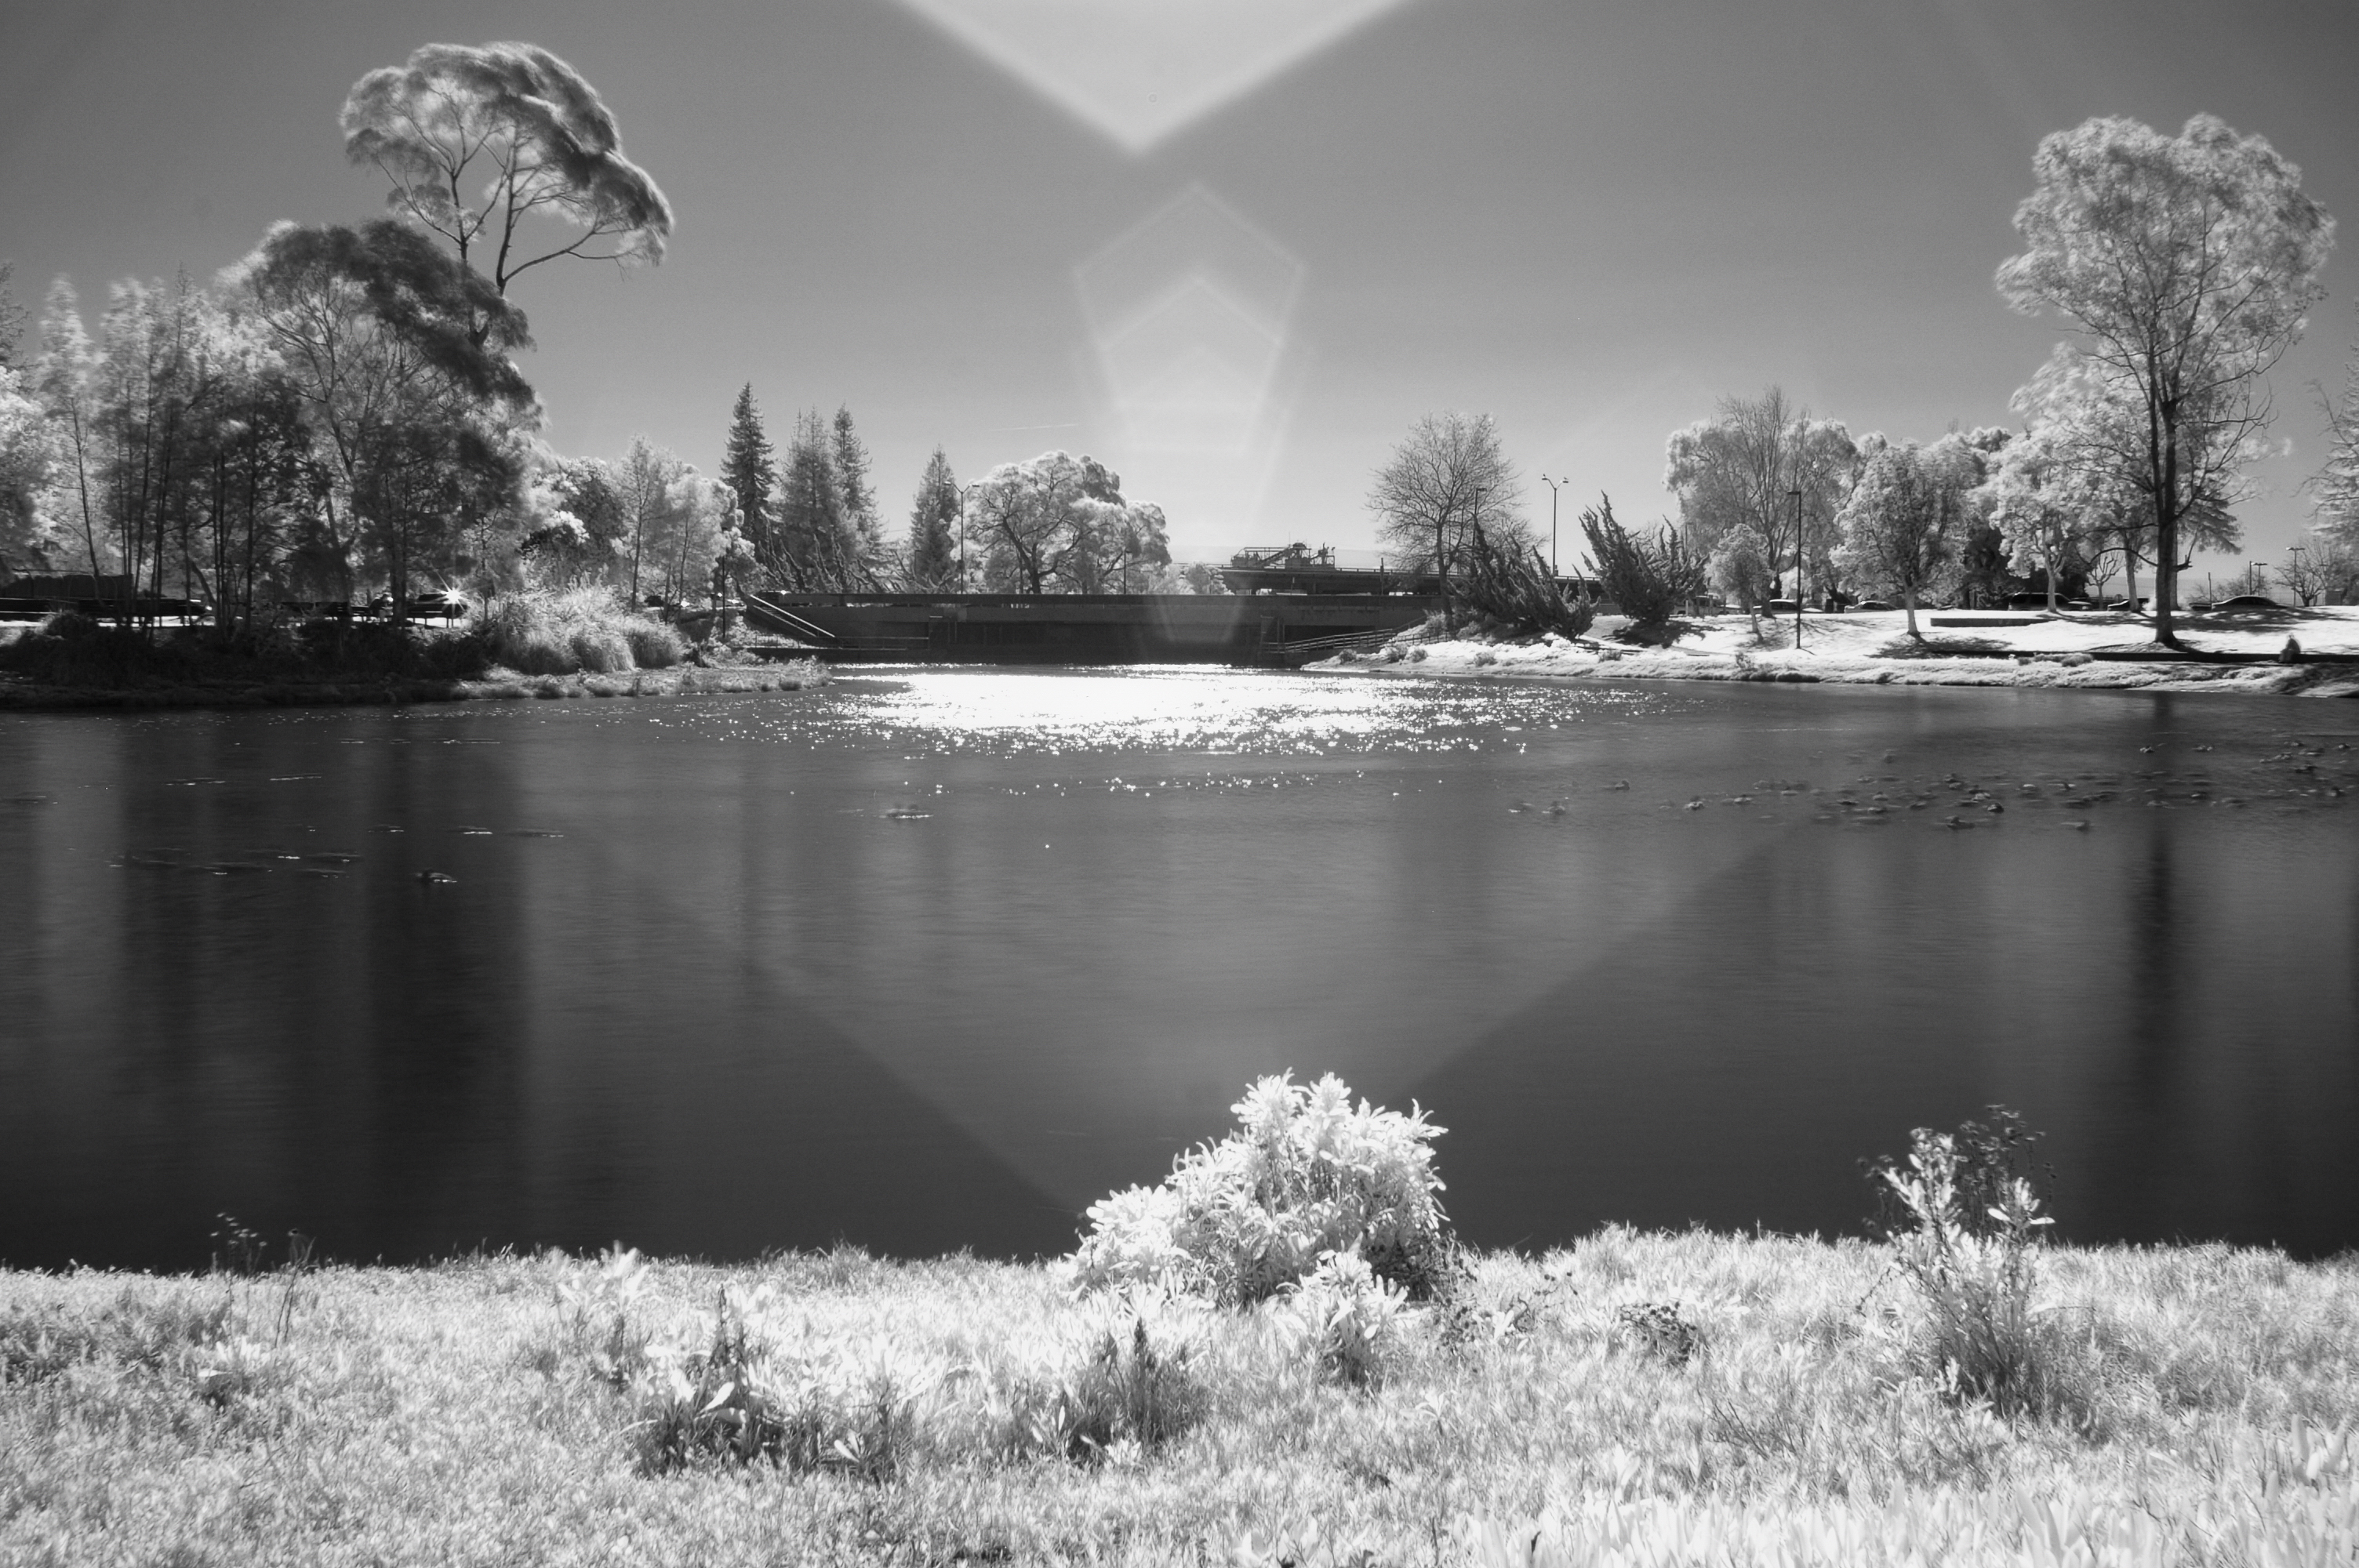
pixel 748 468
pixel 810 548
pixel 932 563
pixel 866 551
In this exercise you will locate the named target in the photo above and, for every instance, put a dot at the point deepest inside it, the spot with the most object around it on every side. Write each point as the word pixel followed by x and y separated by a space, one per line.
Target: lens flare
pixel 1140 71
pixel 1189 314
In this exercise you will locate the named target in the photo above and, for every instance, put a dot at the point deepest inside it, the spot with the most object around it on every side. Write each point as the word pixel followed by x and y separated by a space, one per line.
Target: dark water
pixel 935 960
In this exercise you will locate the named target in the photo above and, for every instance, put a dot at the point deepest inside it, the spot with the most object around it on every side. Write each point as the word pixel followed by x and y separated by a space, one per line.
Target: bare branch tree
pixel 1448 476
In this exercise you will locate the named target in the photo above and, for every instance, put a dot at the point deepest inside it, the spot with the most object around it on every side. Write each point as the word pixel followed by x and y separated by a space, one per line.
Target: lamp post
pixel 2256 567
pixel 1795 497
pixel 1554 570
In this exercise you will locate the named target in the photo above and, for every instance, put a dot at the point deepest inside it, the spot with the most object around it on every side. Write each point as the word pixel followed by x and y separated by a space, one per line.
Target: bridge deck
pixel 1130 628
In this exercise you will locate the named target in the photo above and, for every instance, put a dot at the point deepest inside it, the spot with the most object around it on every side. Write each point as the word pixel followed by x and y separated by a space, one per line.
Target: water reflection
pixel 935 958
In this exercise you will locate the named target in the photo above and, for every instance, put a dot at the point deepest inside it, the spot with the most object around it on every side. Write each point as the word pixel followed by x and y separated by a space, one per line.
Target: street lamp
pixel 1554 570
pixel 1795 497
pixel 2256 567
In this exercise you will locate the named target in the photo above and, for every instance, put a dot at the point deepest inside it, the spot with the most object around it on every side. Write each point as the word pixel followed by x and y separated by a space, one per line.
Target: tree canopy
pixel 2334 488
pixel 1448 476
pixel 1741 467
pixel 396 354
pixel 1056 524
pixel 1907 517
pixel 519 126
pixel 2187 263
pixel 931 562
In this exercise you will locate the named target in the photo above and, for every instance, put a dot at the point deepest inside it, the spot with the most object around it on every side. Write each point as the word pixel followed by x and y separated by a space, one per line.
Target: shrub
pixel 586 631
pixel 1128 1394
pixel 1519 594
pixel 599 1315
pixel 1304 1175
pixel 71 649
pixel 1650 581
pixel 737 1397
pixel 598 649
pixel 1352 1322
pixel 1987 1160
pixel 1658 1329
pixel 1974 1278
pixel 654 646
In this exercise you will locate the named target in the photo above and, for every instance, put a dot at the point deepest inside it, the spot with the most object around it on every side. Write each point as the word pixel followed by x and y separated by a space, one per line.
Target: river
pixel 932 958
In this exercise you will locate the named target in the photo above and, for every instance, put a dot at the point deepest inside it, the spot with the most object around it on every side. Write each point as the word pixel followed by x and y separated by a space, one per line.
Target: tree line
pixel 2185 266
pixel 1053 523
pixel 341 409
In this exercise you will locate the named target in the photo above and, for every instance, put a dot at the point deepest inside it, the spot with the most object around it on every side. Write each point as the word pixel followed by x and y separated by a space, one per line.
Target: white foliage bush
pixel 589 630
pixel 1352 1324
pixel 1306 1173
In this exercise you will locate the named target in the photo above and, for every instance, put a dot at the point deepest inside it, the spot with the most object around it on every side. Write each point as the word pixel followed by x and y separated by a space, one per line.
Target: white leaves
pixel 1306 1173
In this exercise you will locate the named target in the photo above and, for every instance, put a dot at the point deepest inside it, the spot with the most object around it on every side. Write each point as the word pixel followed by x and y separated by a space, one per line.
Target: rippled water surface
pixel 933 958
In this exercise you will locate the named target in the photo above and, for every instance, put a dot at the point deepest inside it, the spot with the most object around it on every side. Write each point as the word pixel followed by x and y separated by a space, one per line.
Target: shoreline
pixel 20 695
pixel 2067 652
pixel 503 1408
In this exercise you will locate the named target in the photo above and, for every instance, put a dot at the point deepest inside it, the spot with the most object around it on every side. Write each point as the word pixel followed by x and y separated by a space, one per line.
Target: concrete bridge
pixel 1086 629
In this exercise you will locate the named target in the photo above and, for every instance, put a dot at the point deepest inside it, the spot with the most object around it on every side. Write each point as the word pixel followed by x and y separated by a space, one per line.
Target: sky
pixel 1234 248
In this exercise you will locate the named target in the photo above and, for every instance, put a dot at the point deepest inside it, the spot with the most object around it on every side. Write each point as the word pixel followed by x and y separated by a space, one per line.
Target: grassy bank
pixel 29 696
pixel 1639 1398
pixel 582 643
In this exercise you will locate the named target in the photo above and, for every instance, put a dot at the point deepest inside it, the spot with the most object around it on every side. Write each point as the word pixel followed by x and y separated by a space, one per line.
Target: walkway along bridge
pixel 1085 628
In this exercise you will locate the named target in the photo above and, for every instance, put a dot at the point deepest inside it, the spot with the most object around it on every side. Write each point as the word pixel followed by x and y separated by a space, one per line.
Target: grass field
pixel 1640 1399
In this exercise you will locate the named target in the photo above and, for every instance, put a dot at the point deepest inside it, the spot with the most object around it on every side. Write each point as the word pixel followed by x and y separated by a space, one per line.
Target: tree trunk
pixel 1441 578
pixel 1909 597
pixel 2163 431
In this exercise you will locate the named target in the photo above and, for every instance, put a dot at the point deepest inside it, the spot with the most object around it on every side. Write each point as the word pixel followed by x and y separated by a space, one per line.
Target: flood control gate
pixel 1086 628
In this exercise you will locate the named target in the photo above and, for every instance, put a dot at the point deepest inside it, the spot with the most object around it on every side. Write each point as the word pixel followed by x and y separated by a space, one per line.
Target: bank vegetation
pixel 1282 1387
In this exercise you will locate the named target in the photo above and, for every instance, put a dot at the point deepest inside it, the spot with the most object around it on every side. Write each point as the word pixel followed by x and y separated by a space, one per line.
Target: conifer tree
pixel 932 562
pixel 748 468
pixel 810 532
pixel 865 547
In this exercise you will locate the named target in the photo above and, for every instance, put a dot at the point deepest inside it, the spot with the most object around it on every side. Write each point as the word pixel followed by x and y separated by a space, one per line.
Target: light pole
pixel 1554 570
pixel 2256 567
pixel 1795 497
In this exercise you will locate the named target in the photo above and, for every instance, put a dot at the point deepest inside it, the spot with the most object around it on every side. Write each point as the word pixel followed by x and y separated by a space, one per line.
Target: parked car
pixel 430 606
pixel 2248 601
pixel 1873 604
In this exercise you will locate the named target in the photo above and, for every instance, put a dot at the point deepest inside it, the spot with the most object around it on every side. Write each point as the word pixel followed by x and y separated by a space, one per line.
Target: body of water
pixel 934 958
